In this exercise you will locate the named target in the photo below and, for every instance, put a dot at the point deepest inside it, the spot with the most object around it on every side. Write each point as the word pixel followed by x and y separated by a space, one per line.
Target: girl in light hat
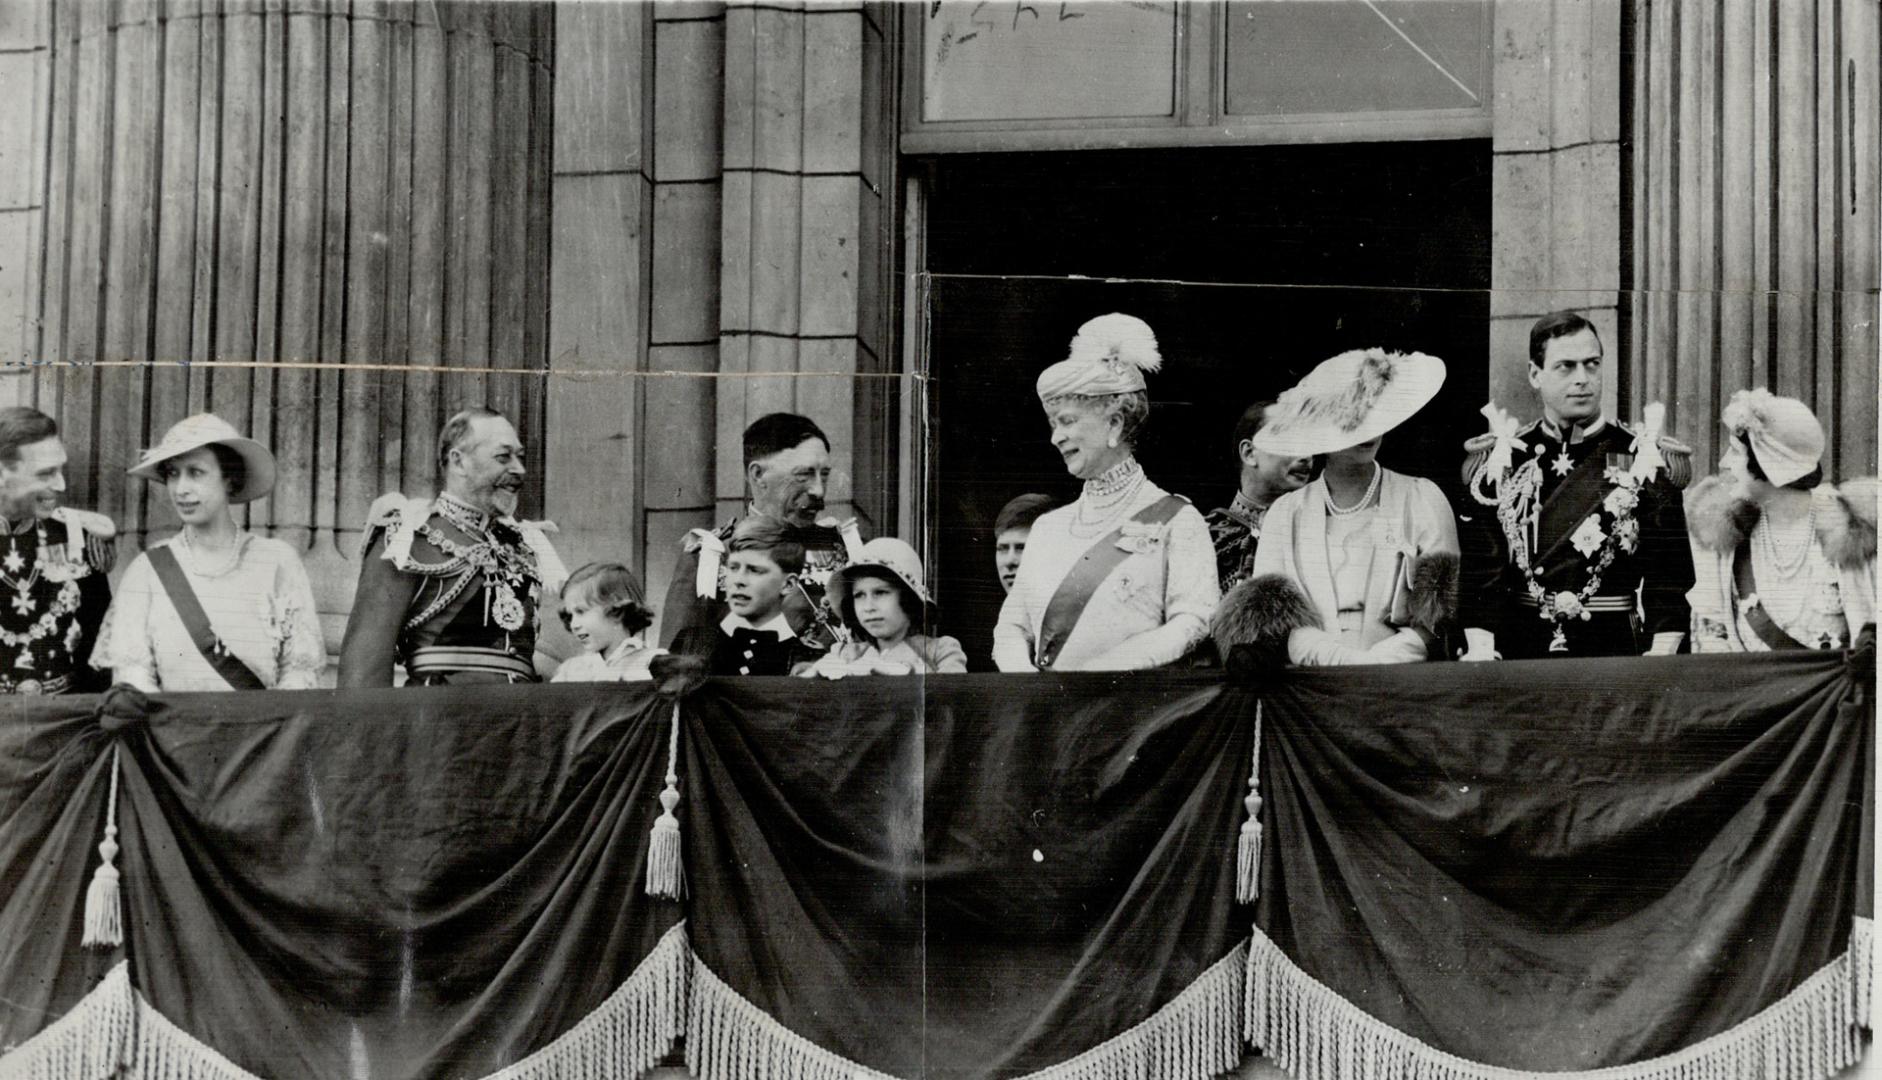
pixel 1373 553
pixel 1780 559
pixel 214 607
pixel 883 601
pixel 1124 577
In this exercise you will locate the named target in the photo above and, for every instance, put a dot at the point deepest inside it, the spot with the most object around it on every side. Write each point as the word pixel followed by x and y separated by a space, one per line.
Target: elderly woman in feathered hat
pixel 1124 577
pixel 214 607
pixel 1359 566
pixel 1781 560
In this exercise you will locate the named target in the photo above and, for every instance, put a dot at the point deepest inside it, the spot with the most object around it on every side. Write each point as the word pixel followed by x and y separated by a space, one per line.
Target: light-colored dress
pixel 1349 565
pixel 1820 603
pixel 626 662
pixel 915 654
pixel 1152 609
pixel 261 606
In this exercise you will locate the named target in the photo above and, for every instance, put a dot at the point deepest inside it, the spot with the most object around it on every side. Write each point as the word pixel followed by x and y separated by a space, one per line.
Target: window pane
pixel 1288 57
pixel 1039 60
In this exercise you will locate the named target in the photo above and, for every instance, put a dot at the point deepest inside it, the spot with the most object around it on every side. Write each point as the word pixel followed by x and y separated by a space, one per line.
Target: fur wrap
pixel 1262 612
pixel 1846 519
pixel 1846 523
pixel 1434 591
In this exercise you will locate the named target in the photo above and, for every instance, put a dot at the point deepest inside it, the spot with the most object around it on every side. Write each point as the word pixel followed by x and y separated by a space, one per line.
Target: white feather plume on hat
pixel 1110 354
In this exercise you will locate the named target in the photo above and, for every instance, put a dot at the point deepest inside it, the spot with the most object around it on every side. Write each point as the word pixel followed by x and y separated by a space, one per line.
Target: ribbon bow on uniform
pixel 711 552
pixel 1504 427
pixel 1647 457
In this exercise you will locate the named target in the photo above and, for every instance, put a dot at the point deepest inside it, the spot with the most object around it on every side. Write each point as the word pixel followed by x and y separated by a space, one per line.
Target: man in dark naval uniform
pixel 787 465
pixel 1573 528
pixel 1235 529
pixel 53 562
pixel 449 587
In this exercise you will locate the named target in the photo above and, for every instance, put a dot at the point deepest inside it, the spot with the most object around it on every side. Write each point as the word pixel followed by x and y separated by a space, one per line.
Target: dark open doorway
pixel 1252 265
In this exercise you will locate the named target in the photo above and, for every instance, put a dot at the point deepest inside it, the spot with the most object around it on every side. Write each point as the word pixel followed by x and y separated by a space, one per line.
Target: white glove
pixel 1480 645
pixel 1665 644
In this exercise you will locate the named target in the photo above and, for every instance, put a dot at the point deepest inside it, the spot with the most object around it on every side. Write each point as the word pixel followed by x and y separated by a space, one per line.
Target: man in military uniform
pixel 787 465
pixel 53 562
pixel 449 587
pixel 1574 532
pixel 1235 529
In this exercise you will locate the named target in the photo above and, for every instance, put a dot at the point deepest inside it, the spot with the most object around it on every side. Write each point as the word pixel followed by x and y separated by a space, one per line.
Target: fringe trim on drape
pixel 1198 1034
pixel 627 1034
pixel 1314 1034
pixel 114 1034
pixel 729 1038
pixel 1862 969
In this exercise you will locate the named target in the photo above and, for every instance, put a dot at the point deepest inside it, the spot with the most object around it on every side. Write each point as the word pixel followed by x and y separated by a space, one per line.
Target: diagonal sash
pixel 1760 620
pixel 1579 494
pixel 196 621
pixel 1081 583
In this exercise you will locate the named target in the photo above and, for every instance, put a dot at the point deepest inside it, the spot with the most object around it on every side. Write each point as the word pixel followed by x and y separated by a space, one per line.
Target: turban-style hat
pixel 1783 433
pixel 1109 355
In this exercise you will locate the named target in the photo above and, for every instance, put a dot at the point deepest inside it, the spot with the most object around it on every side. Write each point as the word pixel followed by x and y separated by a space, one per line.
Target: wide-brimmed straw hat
pixel 1352 398
pixel 208 429
pixel 883 554
pixel 1785 435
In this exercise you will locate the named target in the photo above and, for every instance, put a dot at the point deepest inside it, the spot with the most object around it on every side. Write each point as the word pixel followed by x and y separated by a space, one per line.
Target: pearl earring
pixel 1112 442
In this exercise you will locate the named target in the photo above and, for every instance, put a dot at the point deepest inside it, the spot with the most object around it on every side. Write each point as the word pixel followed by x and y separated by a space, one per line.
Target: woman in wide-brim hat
pixel 1781 559
pixel 1124 577
pixel 884 602
pixel 1374 552
pixel 214 607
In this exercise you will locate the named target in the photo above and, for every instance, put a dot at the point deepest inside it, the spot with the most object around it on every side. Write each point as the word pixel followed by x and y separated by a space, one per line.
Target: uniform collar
pixel 19 528
pixel 464 515
pixel 1576 433
pixel 777 624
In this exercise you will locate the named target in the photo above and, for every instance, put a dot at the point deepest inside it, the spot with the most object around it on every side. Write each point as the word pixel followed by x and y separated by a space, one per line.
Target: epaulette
pixel 93 532
pixel 401 517
pixel 1477 451
pixel 1678 461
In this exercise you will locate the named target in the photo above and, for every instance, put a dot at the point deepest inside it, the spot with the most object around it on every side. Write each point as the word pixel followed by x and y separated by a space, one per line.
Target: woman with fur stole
pixel 1781 559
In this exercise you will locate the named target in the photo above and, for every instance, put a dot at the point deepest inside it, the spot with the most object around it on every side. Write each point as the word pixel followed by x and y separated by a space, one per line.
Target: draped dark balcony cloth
pixel 1659 867
pixel 382 883
pixel 1568 865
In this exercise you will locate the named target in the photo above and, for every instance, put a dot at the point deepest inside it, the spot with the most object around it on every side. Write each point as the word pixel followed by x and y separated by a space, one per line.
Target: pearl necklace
pixel 228 564
pixel 1372 490
pixel 1105 497
pixel 1786 566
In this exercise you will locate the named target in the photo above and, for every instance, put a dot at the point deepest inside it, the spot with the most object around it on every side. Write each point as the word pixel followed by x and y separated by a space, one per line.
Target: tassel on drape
pixel 104 919
pixel 666 875
pixel 1248 845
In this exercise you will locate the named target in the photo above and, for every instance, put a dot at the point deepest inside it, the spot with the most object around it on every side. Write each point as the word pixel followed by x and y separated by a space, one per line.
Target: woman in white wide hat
pixel 1361 543
pixel 1125 576
pixel 1781 560
pixel 214 607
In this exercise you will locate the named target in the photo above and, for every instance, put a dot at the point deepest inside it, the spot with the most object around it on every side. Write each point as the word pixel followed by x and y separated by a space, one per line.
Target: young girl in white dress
pixel 604 606
pixel 882 599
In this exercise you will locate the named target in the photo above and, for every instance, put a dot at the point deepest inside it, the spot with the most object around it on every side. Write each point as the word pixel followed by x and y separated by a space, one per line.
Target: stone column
pixel 1555 200
pixel 325 221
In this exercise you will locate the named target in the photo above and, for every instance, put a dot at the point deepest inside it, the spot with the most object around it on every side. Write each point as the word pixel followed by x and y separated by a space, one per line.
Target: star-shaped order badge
pixel 1589 537
pixel 1563 466
pixel 15 562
